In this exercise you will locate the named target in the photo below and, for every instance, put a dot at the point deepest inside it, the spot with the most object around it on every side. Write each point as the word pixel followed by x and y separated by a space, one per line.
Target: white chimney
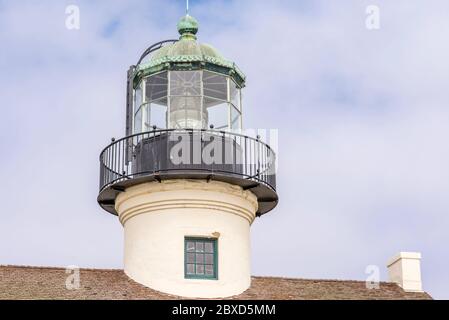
pixel 405 270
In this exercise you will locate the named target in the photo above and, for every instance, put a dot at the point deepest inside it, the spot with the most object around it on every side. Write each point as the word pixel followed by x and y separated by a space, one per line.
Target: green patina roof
pixel 189 51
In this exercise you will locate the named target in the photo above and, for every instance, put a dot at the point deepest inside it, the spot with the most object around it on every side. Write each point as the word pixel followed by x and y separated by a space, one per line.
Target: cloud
pixel 362 117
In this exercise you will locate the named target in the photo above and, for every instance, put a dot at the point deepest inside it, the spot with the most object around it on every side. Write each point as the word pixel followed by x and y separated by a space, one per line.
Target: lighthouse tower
pixel 185 182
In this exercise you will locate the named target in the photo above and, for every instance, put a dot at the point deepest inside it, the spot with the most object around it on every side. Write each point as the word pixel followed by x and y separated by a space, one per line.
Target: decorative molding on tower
pixel 196 194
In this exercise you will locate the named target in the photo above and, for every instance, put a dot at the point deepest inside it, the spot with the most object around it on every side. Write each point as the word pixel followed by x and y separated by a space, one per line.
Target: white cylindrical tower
pixel 185 183
pixel 165 224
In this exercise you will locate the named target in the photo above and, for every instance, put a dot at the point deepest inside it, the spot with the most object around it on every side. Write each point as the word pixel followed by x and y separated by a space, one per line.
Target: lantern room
pixel 187 99
pixel 186 85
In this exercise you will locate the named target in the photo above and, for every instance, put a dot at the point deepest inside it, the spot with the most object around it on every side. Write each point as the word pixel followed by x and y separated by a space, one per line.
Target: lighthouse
pixel 185 181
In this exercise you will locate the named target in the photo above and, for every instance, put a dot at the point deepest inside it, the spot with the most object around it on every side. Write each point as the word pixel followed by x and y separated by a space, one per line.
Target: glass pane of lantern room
pixel 137 112
pixel 185 83
pixel 145 109
pixel 215 85
pixel 235 118
pixel 185 100
pixel 138 121
pixel 185 112
pixel 158 114
pixel 235 94
pixel 137 97
pixel 156 87
pixel 217 113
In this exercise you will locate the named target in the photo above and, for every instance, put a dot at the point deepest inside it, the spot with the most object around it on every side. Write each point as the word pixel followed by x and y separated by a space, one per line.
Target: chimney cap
pixel 404 255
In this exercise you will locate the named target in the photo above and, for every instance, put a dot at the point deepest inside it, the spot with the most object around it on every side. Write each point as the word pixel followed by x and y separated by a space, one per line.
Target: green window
pixel 200 258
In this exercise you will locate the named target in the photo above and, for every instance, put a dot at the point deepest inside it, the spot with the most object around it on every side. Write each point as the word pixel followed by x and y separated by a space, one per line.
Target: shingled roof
pixel 49 283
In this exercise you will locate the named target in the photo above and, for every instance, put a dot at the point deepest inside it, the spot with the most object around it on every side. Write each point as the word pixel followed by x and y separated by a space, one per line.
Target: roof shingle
pixel 26 283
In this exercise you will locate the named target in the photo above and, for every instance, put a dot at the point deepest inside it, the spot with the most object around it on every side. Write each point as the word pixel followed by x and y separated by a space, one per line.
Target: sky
pixel 362 114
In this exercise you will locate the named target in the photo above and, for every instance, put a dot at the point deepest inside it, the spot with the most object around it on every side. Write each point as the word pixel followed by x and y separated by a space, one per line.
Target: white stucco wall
pixel 158 216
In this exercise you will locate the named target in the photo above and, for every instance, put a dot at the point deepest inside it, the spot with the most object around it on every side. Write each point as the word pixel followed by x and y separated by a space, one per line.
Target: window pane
pixel 209 259
pixel 156 86
pixel 190 258
pixel 209 270
pixel 235 94
pixel 199 269
pixel 215 85
pixel 185 83
pixel 200 247
pixel 198 263
pixel 209 247
pixel 217 113
pixel 200 258
pixel 190 246
pixel 190 269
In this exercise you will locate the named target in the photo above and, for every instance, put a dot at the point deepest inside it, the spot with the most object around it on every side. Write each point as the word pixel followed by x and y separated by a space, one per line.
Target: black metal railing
pixel 187 152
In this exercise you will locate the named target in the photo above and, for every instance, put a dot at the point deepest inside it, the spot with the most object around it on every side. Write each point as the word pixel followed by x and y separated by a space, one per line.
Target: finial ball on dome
pixel 187 25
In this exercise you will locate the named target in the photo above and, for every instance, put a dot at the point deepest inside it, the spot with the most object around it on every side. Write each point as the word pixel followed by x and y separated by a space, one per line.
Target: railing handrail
pixel 186 130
